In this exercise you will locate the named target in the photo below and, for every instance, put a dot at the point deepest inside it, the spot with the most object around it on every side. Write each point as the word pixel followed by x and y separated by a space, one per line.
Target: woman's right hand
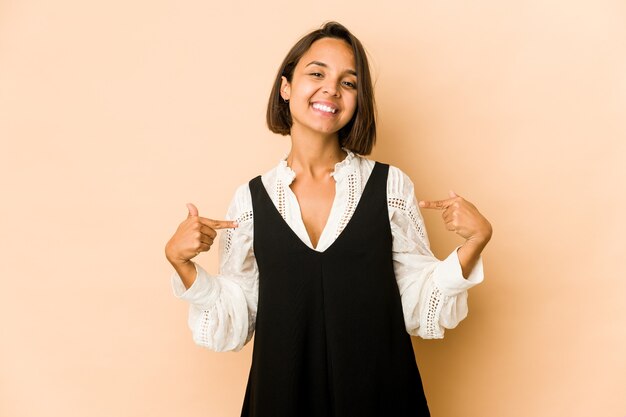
pixel 194 235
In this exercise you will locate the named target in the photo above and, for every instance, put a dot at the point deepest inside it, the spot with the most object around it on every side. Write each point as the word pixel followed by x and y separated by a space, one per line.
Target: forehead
pixel 335 53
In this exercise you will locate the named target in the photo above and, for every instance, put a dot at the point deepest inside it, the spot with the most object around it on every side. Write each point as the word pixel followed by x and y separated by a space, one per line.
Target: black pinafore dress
pixel 330 339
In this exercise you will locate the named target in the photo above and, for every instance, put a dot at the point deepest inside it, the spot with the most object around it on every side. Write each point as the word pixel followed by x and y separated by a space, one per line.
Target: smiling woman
pixel 360 132
pixel 321 92
pixel 325 257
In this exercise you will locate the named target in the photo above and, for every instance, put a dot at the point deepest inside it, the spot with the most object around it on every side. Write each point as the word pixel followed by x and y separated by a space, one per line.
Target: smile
pixel 324 108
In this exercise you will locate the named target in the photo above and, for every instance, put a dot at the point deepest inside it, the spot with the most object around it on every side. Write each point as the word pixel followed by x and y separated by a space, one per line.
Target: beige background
pixel 115 114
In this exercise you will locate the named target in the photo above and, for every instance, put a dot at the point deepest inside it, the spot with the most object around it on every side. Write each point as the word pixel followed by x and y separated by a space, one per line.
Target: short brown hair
pixel 359 135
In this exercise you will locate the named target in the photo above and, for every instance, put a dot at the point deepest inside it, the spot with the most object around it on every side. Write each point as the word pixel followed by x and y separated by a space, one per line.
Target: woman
pixel 326 257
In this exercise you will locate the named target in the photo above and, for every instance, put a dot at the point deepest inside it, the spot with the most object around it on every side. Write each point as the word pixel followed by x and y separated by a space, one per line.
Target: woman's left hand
pixel 463 218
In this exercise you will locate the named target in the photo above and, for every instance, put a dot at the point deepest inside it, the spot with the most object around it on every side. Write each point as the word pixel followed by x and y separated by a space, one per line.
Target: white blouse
pixel 223 307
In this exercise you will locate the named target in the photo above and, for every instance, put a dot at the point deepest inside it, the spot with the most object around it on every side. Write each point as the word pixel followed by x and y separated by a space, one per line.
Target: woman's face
pixel 322 93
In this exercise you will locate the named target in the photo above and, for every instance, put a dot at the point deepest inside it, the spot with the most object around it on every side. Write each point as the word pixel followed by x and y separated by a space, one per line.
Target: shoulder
pixel 399 184
pixel 240 208
pixel 242 195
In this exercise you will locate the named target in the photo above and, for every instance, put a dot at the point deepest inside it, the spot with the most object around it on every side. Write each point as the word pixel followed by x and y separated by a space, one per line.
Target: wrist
pixel 173 259
pixel 482 238
pixel 181 263
pixel 187 272
pixel 477 243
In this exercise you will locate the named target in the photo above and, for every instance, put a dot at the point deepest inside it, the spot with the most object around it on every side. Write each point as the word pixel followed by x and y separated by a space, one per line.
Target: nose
pixel 331 87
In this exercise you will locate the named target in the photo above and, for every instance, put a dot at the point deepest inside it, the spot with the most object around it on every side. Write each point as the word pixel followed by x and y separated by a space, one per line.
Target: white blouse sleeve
pixel 433 292
pixel 222 308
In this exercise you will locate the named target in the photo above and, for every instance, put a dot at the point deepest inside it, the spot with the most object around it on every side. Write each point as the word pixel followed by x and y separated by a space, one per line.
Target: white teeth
pixel 324 108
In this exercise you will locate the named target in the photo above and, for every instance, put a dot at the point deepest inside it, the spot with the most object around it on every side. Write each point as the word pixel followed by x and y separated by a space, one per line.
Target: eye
pixel 316 74
pixel 349 84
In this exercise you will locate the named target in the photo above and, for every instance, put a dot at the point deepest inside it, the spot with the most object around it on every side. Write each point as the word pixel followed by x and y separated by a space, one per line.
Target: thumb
pixel 193 211
pixel 452 194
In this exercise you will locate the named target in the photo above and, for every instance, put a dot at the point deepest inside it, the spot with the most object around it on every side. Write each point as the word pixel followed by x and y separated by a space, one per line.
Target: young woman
pixel 325 257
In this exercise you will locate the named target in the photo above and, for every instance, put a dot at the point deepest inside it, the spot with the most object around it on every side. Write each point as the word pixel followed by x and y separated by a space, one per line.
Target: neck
pixel 314 155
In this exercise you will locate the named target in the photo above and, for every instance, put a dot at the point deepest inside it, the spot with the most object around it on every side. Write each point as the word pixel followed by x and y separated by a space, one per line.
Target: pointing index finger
pixel 218 224
pixel 437 204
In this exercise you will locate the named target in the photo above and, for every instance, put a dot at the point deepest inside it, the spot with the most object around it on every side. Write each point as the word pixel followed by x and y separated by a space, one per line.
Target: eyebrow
pixel 321 64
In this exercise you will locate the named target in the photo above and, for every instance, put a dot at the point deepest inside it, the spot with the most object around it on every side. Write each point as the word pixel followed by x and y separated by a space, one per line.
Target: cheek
pixel 302 89
pixel 351 104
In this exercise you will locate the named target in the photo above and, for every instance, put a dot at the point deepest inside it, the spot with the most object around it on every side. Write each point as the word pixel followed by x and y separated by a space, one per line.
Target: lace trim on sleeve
pixel 435 302
pixel 243 217
pixel 208 334
pixel 412 213
pixel 203 338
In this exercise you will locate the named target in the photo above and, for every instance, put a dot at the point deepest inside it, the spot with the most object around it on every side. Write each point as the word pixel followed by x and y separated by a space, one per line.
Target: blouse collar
pixel 342 168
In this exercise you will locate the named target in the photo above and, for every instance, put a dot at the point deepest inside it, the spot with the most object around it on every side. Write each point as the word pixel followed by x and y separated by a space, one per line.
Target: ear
pixel 285 88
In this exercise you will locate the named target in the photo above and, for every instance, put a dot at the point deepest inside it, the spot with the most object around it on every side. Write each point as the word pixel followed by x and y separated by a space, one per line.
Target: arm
pixel 433 292
pixel 222 308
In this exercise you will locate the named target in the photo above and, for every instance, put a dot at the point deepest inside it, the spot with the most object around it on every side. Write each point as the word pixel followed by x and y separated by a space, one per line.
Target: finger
pixel 447 214
pixel 202 248
pixel 206 230
pixel 218 224
pixel 193 210
pixel 206 239
pixel 451 226
pixel 437 205
pixel 452 194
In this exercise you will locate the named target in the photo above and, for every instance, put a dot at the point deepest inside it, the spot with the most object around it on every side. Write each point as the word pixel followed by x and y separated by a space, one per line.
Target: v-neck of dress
pixel 300 218
pixel 301 221
pixel 286 175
